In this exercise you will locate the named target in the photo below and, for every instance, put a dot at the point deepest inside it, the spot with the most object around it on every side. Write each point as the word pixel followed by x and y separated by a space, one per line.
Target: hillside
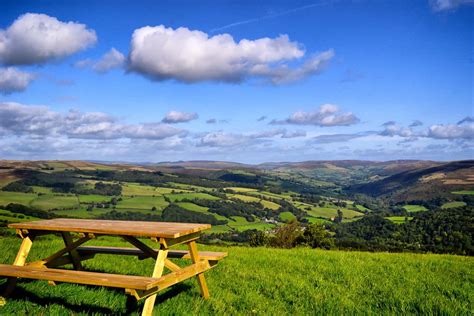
pixel 265 281
pixel 238 202
pixel 422 183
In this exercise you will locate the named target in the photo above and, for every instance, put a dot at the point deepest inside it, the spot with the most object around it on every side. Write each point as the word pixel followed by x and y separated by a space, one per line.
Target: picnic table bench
pixel 164 234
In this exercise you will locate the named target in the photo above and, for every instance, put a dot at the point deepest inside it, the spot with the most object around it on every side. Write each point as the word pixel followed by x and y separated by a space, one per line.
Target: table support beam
pixel 20 260
pixel 200 277
pixel 68 241
pixel 157 272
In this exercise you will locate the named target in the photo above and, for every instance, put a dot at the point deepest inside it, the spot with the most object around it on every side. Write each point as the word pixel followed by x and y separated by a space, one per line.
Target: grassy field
pixel 263 281
pixel 16 197
pixel 453 204
pixel 412 208
pixel 465 192
pixel 50 201
pixel 180 197
pixel 328 212
pixel 287 216
pixel 399 219
pixel 143 202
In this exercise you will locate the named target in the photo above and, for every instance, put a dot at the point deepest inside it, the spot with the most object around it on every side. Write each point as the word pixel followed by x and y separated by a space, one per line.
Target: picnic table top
pixel 112 227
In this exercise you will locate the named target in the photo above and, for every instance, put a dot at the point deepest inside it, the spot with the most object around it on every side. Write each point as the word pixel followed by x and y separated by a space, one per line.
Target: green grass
pixel 314 220
pixel 240 223
pixel 328 212
pixel 38 189
pixel 412 208
pixel 182 196
pixel 240 189
pixel 465 192
pixel 136 189
pixel 94 198
pixel 265 281
pixel 142 202
pixel 361 208
pixel 16 197
pixel 268 204
pixel 14 217
pixel 287 216
pixel 399 219
pixel 453 204
pixel 50 201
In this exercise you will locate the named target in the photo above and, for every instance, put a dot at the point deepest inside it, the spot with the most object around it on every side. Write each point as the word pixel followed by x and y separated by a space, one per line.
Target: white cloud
pixel 111 60
pixel 221 139
pixel 162 53
pixel 179 117
pixel 451 131
pixel 393 129
pixel 447 5
pixel 19 119
pixel 326 115
pixel 14 80
pixel 39 38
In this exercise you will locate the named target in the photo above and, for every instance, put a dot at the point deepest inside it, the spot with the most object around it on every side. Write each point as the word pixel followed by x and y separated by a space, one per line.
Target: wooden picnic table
pixel 76 232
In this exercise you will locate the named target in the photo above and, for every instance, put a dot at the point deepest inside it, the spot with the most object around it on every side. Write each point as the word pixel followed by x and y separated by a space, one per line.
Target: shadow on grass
pixel 131 304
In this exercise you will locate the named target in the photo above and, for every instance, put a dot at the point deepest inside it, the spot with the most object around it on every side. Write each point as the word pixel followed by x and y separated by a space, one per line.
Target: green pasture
pixel 453 204
pixel 142 202
pixel 464 192
pixel 287 216
pixel 50 201
pixel 181 196
pixel 399 219
pixel 412 208
pixel 16 197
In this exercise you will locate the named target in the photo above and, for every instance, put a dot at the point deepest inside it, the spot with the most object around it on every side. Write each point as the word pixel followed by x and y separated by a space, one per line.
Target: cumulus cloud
pixel 224 139
pixel 39 38
pixel 111 60
pixel 451 131
pixel 326 115
pixel 448 5
pixel 174 117
pixel 393 129
pixel 211 121
pixel 262 118
pixel 18 119
pixel 338 138
pixel 14 80
pixel 464 130
pixel 162 53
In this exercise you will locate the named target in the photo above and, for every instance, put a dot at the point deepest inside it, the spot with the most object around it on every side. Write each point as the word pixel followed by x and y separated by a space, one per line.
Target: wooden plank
pixel 182 254
pixel 20 260
pixel 68 241
pixel 66 249
pixel 171 265
pixel 201 279
pixel 172 279
pixel 141 246
pixel 111 227
pixel 157 272
pixel 79 277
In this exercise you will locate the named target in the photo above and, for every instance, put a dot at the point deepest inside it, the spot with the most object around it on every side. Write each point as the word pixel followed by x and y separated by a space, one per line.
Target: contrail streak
pixel 269 16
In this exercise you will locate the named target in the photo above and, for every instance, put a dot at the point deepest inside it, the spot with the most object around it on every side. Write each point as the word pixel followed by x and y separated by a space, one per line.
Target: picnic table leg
pixel 76 261
pixel 200 277
pixel 19 261
pixel 157 272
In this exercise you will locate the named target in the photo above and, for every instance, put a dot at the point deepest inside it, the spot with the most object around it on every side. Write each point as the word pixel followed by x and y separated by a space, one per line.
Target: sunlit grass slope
pixel 266 281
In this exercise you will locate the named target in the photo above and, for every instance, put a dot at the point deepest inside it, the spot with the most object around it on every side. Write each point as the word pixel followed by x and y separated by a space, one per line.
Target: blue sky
pixel 238 81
